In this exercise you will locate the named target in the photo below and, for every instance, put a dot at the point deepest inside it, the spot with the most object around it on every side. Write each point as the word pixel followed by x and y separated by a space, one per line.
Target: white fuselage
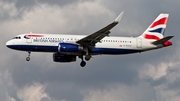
pixel 67 47
pixel 108 45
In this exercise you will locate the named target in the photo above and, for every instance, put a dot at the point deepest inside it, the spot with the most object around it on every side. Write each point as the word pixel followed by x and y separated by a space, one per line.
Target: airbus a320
pixel 66 48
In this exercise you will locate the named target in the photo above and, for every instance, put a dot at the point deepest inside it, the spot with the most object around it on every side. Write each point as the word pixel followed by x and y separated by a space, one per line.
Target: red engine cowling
pixel 57 57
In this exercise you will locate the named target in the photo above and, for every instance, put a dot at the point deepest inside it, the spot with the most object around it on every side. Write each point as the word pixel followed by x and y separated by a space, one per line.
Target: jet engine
pixel 57 57
pixel 69 47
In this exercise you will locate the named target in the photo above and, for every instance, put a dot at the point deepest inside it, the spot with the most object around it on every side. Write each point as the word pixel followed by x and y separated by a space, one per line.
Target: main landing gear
pixel 83 63
pixel 87 58
pixel 28 58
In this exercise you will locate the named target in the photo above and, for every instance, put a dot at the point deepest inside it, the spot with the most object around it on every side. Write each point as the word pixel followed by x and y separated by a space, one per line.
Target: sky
pixel 148 76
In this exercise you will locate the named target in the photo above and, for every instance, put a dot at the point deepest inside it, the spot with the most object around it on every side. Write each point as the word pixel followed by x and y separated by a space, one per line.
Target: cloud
pixel 35 92
pixel 49 19
pixel 156 72
pixel 120 93
pixel 7 11
pixel 10 98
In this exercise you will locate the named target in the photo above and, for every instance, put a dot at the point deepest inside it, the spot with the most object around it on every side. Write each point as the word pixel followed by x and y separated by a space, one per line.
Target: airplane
pixel 66 48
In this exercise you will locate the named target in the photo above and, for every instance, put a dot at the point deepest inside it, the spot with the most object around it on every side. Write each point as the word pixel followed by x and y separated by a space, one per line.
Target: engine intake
pixel 57 57
pixel 69 47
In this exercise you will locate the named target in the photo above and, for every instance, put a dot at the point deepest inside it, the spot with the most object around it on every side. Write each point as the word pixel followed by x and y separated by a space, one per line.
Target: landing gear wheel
pixel 83 63
pixel 28 59
pixel 87 57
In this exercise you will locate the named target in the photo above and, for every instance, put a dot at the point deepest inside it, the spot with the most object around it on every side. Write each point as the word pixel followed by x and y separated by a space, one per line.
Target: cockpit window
pixel 17 37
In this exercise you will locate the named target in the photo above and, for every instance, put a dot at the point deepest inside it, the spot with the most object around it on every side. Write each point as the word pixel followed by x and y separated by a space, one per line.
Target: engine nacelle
pixel 69 47
pixel 57 57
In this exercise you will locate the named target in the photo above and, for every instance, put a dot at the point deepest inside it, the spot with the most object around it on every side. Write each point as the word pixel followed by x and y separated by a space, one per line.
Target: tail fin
pixel 157 29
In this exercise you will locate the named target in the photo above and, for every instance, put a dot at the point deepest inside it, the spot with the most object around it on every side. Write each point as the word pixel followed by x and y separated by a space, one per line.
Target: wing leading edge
pixel 91 40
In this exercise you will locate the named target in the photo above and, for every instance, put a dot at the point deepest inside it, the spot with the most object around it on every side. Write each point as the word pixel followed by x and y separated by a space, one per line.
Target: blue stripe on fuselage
pixel 35 48
pixel 114 51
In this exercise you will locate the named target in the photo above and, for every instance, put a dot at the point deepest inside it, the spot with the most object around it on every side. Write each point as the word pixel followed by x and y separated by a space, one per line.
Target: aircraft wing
pixel 91 40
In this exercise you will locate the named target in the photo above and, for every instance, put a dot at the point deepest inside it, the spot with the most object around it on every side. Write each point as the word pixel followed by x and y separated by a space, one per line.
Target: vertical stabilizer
pixel 157 29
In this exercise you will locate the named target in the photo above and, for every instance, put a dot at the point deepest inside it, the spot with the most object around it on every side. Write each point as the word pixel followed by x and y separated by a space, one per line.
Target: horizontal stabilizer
pixel 161 41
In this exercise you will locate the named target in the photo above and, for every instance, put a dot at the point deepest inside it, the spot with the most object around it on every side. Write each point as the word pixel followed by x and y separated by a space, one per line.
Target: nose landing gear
pixel 28 58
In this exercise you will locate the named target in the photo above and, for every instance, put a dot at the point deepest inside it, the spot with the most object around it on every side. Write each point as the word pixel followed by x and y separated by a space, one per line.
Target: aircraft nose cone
pixel 8 44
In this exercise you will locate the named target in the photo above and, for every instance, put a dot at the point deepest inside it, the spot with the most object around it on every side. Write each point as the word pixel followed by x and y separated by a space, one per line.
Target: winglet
pixel 119 17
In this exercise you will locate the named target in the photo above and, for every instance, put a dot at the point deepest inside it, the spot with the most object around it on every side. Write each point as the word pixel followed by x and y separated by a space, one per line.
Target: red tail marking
pixel 151 37
pixel 159 22
pixel 167 43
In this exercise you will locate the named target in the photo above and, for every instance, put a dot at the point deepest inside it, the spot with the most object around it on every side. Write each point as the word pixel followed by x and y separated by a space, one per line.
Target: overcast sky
pixel 148 76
